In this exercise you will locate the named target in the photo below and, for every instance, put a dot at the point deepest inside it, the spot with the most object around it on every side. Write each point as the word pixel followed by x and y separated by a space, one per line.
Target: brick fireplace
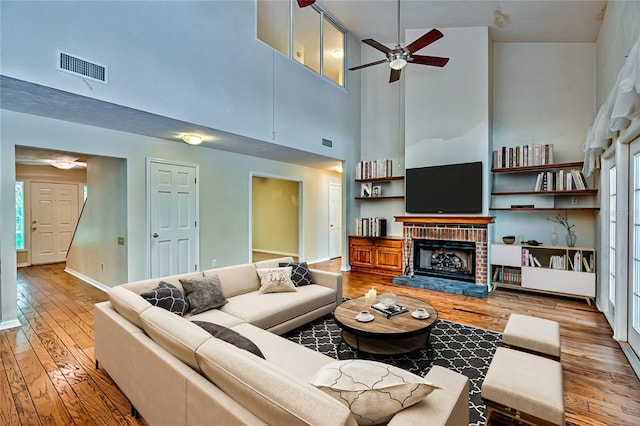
pixel 462 229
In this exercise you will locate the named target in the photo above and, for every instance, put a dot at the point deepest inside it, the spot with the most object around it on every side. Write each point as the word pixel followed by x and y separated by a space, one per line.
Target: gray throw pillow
pixel 230 336
pixel 300 274
pixel 203 293
pixel 169 297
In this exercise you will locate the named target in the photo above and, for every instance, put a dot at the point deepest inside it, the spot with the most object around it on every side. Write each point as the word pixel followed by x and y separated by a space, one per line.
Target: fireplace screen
pixel 445 259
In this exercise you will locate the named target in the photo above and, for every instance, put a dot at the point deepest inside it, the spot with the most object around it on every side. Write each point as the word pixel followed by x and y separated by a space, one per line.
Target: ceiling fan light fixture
pixel 192 139
pixel 398 63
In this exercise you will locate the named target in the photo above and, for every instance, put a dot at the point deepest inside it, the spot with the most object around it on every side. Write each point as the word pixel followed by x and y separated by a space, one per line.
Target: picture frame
pixel 376 191
pixel 365 190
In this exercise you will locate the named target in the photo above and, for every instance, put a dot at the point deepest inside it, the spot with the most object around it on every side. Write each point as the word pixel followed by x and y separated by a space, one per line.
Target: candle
pixel 370 296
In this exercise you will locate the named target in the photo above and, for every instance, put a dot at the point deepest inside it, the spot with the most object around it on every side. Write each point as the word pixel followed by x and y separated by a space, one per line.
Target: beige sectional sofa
pixel 176 373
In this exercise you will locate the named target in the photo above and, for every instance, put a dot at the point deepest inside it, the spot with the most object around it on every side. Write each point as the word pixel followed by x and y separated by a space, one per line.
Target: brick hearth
pixel 460 228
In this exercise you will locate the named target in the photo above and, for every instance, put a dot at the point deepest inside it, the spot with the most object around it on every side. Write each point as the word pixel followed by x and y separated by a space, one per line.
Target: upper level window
pixel 307 35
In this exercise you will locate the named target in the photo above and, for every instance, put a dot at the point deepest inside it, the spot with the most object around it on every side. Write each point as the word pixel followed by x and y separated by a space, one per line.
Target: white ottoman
pixel 535 335
pixel 521 387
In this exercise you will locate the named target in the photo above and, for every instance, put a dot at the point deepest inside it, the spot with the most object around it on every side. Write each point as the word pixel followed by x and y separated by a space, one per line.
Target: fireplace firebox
pixel 445 259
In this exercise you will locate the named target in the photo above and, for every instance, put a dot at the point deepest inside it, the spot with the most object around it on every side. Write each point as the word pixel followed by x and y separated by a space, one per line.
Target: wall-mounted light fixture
pixel 337 53
pixel 192 139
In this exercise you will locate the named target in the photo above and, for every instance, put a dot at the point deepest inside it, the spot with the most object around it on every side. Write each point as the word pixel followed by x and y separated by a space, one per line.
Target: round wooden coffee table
pixel 385 336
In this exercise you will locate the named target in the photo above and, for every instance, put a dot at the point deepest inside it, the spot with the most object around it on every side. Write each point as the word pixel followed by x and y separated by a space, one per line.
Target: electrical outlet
pixel 120 241
pixel 214 262
pixel 574 201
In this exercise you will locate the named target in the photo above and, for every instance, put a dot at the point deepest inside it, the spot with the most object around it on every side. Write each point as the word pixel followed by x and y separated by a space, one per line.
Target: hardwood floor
pixel 48 375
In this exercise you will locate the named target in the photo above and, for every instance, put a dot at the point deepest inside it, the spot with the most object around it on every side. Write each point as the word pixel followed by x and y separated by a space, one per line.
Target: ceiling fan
pixel 399 56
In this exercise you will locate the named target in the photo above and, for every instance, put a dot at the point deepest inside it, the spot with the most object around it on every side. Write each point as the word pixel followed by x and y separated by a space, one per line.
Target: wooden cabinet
pixel 567 271
pixel 376 255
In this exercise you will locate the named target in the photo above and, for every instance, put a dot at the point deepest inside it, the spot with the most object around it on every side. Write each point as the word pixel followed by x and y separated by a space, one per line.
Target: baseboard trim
pixel 632 357
pixel 322 259
pixel 88 280
pixel 280 253
pixel 5 325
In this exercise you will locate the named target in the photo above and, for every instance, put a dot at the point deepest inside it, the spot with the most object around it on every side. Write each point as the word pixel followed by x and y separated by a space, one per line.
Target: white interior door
pixel 335 220
pixel 634 249
pixel 173 218
pixel 54 216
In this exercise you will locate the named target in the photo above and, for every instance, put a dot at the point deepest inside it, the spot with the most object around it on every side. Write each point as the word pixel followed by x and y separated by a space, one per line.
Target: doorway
pixel 335 220
pixel 276 212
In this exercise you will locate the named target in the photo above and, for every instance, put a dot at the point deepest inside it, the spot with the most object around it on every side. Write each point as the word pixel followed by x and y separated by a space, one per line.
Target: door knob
pixel 155 235
pixel 33 228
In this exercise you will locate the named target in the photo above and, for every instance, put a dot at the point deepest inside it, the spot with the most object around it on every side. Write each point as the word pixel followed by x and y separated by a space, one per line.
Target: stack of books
pixel 389 311
pixel 562 180
pixel 523 156
pixel 374 169
pixel 371 227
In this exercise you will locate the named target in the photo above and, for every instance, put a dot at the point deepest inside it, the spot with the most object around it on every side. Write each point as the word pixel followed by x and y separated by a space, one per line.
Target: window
pixel 612 235
pixel 635 252
pixel 307 35
pixel 332 51
pixel 19 215
pixel 273 24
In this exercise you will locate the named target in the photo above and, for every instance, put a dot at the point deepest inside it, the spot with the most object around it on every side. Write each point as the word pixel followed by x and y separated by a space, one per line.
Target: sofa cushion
pixel 215 316
pixel 128 304
pixel 238 279
pixel 167 296
pixel 143 286
pixel 275 280
pixel 300 274
pixel 178 336
pixel 271 393
pixel 297 360
pixel 373 391
pixel 230 336
pixel 203 293
pixel 268 310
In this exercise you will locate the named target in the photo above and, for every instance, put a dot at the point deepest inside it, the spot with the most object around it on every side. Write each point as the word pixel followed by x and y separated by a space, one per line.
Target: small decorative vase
pixel 571 239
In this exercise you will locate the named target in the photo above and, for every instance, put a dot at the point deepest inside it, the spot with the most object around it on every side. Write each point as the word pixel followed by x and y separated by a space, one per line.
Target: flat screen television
pixel 452 188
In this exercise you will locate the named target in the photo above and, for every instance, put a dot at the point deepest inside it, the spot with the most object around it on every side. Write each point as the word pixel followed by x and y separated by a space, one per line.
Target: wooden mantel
pixel 470 220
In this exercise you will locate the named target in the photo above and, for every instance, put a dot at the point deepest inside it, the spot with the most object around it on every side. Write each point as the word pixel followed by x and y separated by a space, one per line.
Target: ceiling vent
pixel 82 68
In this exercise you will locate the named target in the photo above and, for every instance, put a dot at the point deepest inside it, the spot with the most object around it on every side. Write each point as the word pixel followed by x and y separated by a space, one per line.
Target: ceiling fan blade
pixel 305 3
pixel 379 46
pixel 425 40
pixel 434 61
pixel 368 65
pixel 395 75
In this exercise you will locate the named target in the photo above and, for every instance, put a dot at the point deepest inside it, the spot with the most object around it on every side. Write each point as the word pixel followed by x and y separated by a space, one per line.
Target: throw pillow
pixel 373 391
pixel 275 280
pixel 230 336
pixel 203 293
pixel 300 274
pixel 169 297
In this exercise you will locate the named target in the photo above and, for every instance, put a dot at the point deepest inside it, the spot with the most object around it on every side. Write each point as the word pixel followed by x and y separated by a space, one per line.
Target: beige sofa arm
pixel 448 406
pixel 328 279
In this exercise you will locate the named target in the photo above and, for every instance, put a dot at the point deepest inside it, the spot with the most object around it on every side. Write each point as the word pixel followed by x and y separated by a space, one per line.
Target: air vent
pixel 327 143
pixel 81 67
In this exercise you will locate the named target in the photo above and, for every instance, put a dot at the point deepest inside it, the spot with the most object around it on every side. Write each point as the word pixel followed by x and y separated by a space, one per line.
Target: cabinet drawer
pixel 570 282
pixel 506 254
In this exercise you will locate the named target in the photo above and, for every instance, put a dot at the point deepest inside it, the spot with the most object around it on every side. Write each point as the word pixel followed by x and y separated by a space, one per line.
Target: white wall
pixel 194 61
pixel 543 93
pixel 95 251
pixel 224 190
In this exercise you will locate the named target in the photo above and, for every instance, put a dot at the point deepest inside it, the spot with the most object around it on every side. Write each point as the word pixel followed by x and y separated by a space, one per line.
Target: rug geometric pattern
pixel 466 350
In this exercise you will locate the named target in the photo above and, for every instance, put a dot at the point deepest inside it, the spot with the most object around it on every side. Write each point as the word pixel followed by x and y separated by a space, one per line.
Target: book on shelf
pixel 561 180
pixel 389 311
pixel 585 262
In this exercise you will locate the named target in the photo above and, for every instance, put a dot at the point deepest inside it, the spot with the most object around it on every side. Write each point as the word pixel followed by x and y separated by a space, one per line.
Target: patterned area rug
pixel 466 350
